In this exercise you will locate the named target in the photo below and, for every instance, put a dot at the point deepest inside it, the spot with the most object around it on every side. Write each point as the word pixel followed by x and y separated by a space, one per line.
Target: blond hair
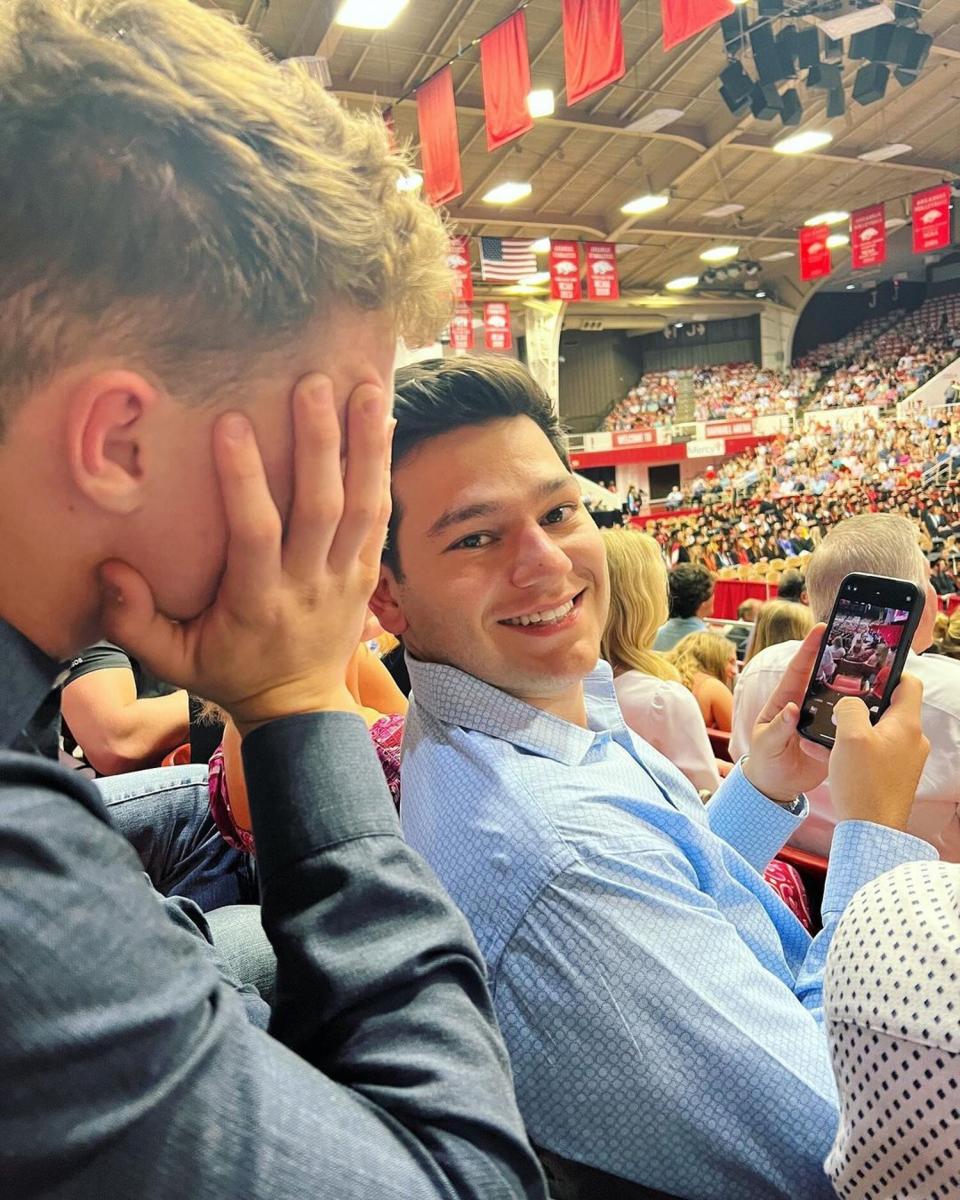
pixel 170 195
pixel 950 643
pixel 709 653
pixel 779 621
pixel 638 604
pixel 871 544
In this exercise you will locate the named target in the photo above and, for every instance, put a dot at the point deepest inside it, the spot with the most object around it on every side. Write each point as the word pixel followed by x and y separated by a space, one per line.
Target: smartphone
pixel 868 637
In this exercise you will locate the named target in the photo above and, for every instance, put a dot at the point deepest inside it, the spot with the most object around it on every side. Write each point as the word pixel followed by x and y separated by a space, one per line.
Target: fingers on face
pixel 253 523
pixel 368 444
pixel 317 505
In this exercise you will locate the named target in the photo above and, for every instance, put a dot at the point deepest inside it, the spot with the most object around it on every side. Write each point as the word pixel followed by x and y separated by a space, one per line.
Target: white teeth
pixel 547 617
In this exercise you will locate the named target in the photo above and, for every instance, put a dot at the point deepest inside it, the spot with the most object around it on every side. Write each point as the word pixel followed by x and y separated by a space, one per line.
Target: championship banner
pixel 602 280
pixel 565 271
pixel 814 252
pixel 868 237
pixel 496 325
pixel 459 262
pixel 461 328
pixel 931 219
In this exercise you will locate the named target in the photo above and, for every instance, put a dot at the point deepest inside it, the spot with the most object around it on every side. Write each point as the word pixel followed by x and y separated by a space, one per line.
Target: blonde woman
pixel 654 702
pixel 707 663
pixel 779 621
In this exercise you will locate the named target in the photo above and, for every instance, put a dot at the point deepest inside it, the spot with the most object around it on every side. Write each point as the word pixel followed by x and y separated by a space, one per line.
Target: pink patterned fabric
pixel 387 734
pixel 786 882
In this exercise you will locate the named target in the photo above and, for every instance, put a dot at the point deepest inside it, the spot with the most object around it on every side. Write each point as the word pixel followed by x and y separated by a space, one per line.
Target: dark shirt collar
pixel 28 675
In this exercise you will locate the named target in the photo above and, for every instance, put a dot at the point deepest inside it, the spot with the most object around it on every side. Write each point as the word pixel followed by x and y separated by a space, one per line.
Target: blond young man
pixel 204 267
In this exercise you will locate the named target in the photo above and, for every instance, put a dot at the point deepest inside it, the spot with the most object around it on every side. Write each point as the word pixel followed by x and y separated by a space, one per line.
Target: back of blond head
pixel 638 603
pixel 173 196
pixel 779 621
pixel 871 544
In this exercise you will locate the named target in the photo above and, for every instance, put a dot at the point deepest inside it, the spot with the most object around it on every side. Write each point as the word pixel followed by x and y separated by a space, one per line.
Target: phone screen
pixel 863 651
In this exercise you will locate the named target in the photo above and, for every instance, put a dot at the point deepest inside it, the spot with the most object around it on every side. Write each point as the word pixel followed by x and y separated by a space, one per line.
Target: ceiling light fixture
pixel 851 287
pixel 654 120
pixel 761 295
pixel 724 210
pixel 719 253
pixel 682 283
pixel 836 240
pixel 541 246
pixel 641 205
pixel 803 143
pixel 778 256
pixel 369 14
pixel 508 193
pixel 882 153
pixel 410 183
pixel 540 102
pixel 535 279
pixel 833 217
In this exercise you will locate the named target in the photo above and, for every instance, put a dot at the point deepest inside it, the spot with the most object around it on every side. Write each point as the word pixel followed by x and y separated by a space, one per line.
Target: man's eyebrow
pixel 469 512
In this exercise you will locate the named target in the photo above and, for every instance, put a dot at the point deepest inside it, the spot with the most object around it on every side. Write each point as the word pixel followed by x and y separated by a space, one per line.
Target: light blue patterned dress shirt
pixel 661 1005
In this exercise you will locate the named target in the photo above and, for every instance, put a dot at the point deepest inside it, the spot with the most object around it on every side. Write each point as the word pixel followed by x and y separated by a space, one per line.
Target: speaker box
pixel 833 49
pixel 870 83
pixel 766 55
pixel 792 109
pixel 916 53
pixel 737 105
pixel 905 10
pixel 825 75
pixel 905 78
pixel 733 29
pixel 808 48
pixel 770 8
pixel 765 101
pixel 736 81
pixel 836 104
pixel 788 46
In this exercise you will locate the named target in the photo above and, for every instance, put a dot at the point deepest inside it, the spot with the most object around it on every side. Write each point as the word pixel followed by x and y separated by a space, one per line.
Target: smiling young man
pixel 204 267
pixel 660 1003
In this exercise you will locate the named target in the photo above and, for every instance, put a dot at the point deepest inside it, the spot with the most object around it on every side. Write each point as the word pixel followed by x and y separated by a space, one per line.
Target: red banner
pixel 439 140
pixel 459 262
pixel 505 63
pixel 592 46
pixel 868 237
pixel 602 280
pixel 496 325
pixel 461 328
pixel 683 18
pixel 565 271
pixel 814 252
pixel 635 437
pixel 725 429
pixel 931 219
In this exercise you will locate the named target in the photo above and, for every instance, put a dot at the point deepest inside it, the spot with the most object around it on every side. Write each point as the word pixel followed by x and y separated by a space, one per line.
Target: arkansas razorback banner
pixel 461 328
pixel 814 252
pixel 683 18
pixel 868 237
pixel 439 140
pixel 505 63
pixel 459 261
pixel 565 271
pixel 603 283
pixel 931 219
pixel 496 325
pixel 592 46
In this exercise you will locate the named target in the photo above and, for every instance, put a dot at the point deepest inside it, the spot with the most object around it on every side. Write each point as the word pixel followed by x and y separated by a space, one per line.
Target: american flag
pixel 505 260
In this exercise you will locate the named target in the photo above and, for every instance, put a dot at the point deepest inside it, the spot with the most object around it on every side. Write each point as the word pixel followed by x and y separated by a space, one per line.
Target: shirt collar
pixel 456 698
pixel 28 675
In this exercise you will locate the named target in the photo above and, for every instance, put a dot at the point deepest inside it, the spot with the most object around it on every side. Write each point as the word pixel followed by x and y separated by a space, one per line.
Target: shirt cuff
pixel 860 852
pixel 313 780
pixel 752 823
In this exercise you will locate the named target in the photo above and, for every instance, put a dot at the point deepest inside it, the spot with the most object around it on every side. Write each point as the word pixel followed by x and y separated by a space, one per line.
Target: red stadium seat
pixel 180 757
pixel 720 742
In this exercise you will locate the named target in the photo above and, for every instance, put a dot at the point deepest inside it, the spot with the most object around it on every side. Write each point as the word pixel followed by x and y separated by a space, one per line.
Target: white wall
pixel 776 336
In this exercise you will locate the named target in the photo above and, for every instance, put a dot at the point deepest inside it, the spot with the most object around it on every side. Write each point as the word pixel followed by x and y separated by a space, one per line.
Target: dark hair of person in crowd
pixel 791 586
pixel 690 586
pixel 438 395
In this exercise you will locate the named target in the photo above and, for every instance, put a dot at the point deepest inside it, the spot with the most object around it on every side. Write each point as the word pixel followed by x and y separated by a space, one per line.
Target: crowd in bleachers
pixel 557 948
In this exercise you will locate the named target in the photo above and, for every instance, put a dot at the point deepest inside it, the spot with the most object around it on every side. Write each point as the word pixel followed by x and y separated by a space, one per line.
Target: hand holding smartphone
pixel 864 649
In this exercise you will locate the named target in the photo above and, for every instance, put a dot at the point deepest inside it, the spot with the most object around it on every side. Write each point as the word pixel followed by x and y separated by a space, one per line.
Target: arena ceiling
pixel 584 163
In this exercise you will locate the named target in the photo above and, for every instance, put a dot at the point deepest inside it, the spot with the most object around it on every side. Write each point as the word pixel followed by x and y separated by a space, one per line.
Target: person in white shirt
pixel 654 702
pixel 875 544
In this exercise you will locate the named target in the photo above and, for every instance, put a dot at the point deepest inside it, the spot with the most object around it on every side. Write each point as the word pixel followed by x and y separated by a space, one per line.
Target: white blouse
pixel 667 716
pixel 892 1006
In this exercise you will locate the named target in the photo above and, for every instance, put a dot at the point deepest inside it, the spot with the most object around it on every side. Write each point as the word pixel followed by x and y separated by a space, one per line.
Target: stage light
pixel 719 253
pixel 507 193
pixel 751 269
pixel 540 102
pixel 802 143
pixel 828 218
pixel 682 283
pixel 641 205
pixel 369 14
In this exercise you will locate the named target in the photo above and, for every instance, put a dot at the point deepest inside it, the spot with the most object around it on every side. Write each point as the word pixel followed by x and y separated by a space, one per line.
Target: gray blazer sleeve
pixel 129 1068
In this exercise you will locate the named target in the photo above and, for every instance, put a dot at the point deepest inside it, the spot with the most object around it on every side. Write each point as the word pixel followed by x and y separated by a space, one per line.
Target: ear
pixel 385 603
pixel 107 417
